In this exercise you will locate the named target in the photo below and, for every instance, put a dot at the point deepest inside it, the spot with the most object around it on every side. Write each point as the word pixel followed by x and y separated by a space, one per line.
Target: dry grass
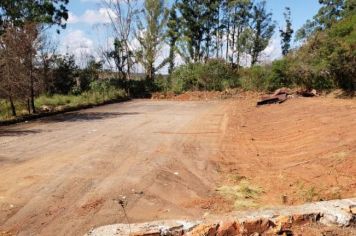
pixel 243 195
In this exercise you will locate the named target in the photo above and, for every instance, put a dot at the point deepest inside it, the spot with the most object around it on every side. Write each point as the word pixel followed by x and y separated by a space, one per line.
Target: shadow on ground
pixel 12 132
pixel 88 116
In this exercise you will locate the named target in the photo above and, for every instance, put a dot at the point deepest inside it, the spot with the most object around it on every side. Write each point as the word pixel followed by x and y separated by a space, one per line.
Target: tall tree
pixel 19 21
pixel 172 36
pixel 122 14
pixel 240 18
pixel 120 57
pixel 192 23
pixel 330 12
pixel 151 35
pixel 286 33
pixel 211 25
pixel 262 30
pixel 18 12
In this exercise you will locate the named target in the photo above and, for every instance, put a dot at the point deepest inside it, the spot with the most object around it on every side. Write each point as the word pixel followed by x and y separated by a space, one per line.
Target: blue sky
pixel 85 33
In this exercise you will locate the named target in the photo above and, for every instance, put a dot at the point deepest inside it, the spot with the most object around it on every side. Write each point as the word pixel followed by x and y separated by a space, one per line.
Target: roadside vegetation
pixel 221 45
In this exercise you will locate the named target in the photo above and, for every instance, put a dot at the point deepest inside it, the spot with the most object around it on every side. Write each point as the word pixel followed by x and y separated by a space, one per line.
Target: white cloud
pixel 101 16
pixel 77 43
pixel 98 1
pixel 72 19
pixel 273 50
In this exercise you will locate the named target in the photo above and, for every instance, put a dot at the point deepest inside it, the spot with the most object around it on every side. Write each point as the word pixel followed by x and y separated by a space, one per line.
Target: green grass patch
pixel 243 195
pixel 59 102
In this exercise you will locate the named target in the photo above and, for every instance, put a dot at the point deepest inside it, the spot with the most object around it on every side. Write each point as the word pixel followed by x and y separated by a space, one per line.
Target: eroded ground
pixel 172 159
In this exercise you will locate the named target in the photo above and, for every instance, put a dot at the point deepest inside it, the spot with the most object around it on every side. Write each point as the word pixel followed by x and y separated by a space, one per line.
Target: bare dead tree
pixel 122 14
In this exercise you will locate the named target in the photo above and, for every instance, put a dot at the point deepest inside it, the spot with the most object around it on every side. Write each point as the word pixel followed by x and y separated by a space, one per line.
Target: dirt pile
pixel 204 95
pixel 329 216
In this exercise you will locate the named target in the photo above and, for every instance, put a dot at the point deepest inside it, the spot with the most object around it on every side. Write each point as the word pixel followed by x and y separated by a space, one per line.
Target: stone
pixel 204 229
pixel 45 108
pixel 228 229
pixel 328 219
pixel 256 226
pixel 283 224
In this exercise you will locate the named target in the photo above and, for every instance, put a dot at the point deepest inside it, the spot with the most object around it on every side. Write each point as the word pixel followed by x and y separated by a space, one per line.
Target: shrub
pixel 254 78
pixel 212 75
pixel 278 76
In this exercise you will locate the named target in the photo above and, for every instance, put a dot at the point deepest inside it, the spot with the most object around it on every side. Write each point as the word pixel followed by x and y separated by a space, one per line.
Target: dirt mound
pixel 205 95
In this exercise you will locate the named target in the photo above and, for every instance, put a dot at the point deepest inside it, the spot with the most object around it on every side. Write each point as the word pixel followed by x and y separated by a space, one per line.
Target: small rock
pixel 259 226
pixel 204 229
pixel 283 224
pixel 228 229
pixel 45 108
pixel 328 220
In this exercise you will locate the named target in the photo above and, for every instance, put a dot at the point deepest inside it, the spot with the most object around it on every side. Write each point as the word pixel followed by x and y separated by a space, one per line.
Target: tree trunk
pixel 233 44
pixel 227 38
pixel 13 108
pixel 28 106
pixel 32 92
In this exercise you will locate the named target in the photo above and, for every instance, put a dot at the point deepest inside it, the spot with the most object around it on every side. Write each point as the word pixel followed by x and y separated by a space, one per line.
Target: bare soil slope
pixel 167 158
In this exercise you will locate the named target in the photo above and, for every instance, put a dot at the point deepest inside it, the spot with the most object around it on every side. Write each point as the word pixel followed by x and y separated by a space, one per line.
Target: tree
pixel 192 29
pixel 172 36
pixel 151 34
pixel 286 34
pixel 89 74
pixel 20 23
pixel 330 12
pixel 18 12
pixel 122 14
pixel 64 74
pixel 121 57
pixel 262 30
pixel 19 45
pixel 211 27
pixel 239 18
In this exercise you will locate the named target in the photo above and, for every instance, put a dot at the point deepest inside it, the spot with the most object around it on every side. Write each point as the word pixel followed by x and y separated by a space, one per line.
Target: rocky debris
pixel 307 93
pixel 276 221
pixel 282 94
pixel 155 228
pixel 45 108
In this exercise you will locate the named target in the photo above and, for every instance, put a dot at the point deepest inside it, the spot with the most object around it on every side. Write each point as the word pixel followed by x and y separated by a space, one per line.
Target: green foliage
pixel 173 34
pixel 99 94
pixel 122 57
pixel 330 12
pixel 64 75
pixel 278 76
pixel 286 34
pixel 87 75
pixel 254 78
pixel 328 59
pixel 17 12
pixel 262 30
pixel 151 35
pixel 212 75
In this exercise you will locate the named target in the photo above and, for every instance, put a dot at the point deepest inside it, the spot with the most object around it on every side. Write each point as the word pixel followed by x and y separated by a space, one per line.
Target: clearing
pixel 172 159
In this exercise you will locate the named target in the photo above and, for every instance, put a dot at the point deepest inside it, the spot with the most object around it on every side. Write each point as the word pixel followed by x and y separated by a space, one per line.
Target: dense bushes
pixel 212 75
pixel 254 78
pixel 328 59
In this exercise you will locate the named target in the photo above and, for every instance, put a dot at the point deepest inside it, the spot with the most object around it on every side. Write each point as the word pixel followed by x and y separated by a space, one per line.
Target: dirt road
pixel 61 175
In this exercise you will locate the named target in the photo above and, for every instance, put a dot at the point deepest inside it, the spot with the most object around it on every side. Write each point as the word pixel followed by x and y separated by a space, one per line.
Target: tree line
pixel 224 34
pixel 195 30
